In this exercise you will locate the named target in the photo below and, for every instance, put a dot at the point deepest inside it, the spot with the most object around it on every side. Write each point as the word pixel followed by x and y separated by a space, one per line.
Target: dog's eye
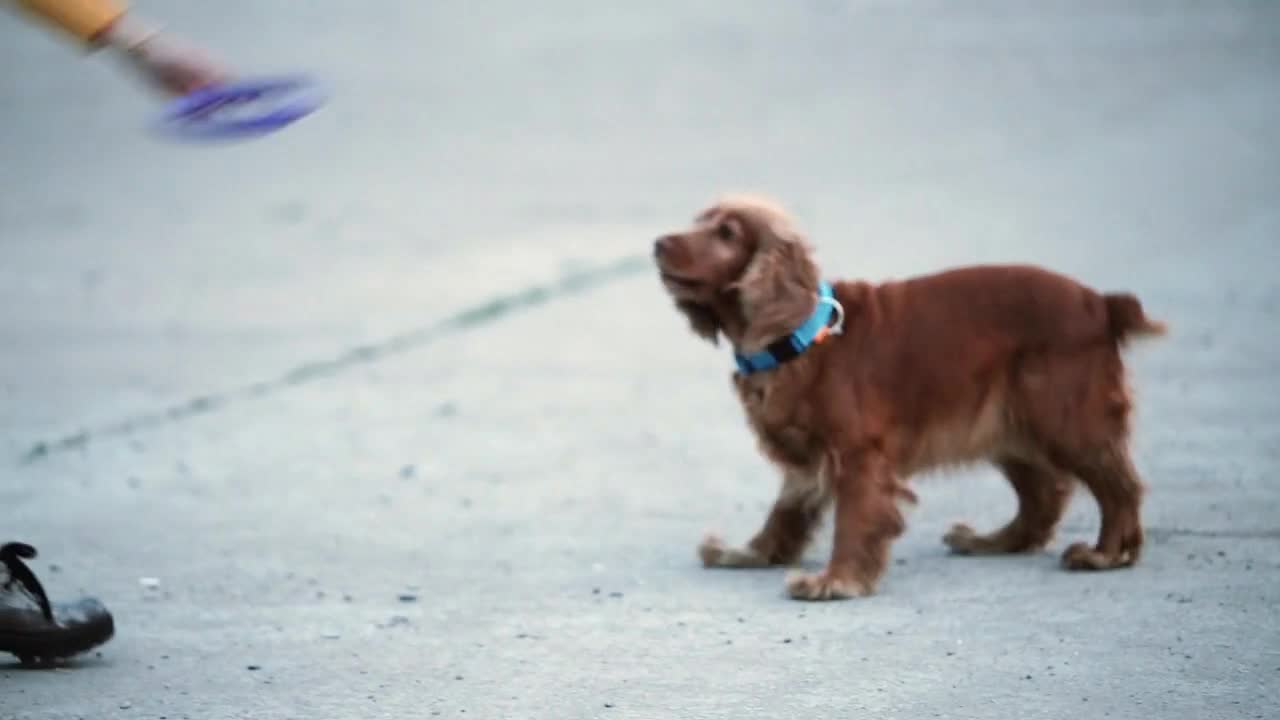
pixel 724 232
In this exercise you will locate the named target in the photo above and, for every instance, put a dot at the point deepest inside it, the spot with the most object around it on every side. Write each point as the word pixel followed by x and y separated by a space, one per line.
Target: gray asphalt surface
pixel 411 347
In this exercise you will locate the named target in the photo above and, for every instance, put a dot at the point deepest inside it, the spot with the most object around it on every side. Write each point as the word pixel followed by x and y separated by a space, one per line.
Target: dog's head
pixel 742 269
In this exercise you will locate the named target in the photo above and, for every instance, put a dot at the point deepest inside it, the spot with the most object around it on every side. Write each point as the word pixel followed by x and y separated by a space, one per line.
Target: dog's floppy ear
pixel 702 319
pixel 780 285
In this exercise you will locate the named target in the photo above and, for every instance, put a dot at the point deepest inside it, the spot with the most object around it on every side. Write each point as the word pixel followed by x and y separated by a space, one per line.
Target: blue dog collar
pixel 827 319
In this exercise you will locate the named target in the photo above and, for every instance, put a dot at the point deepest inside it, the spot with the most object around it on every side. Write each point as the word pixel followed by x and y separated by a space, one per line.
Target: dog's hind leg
pixel 1043 495
pixel 1115 484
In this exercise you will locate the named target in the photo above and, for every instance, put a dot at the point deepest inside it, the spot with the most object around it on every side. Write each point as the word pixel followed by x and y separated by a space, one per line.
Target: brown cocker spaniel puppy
pixel 853 387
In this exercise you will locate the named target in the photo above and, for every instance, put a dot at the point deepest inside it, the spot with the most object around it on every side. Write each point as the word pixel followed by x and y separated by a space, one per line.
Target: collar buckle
pixel 826 320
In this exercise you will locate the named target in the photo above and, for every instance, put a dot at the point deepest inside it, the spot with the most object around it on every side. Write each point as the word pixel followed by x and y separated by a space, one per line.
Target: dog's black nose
pixel 662 245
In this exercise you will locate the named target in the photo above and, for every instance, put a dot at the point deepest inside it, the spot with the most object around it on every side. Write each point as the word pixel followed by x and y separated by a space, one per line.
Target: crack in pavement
pixel 1164 533
pixel 476 315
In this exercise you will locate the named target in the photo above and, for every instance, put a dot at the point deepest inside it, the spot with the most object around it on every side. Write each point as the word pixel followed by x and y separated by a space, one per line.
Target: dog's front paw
pixel 825 586
pixel 715 553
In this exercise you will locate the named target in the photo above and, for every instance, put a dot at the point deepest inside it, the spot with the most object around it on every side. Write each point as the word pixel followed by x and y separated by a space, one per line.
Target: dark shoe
pixel 33 628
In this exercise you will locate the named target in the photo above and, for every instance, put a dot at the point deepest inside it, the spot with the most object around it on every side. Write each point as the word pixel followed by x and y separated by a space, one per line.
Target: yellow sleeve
pixel 82 19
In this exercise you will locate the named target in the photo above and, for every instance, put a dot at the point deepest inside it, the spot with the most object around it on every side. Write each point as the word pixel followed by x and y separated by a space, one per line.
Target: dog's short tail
pixel 1126 320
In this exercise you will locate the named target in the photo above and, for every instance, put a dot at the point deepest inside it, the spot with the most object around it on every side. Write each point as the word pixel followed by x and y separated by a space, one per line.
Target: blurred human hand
pixel 166 62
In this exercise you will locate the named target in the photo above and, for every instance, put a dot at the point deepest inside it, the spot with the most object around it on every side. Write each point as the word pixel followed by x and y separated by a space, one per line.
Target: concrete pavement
pixel 440 446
